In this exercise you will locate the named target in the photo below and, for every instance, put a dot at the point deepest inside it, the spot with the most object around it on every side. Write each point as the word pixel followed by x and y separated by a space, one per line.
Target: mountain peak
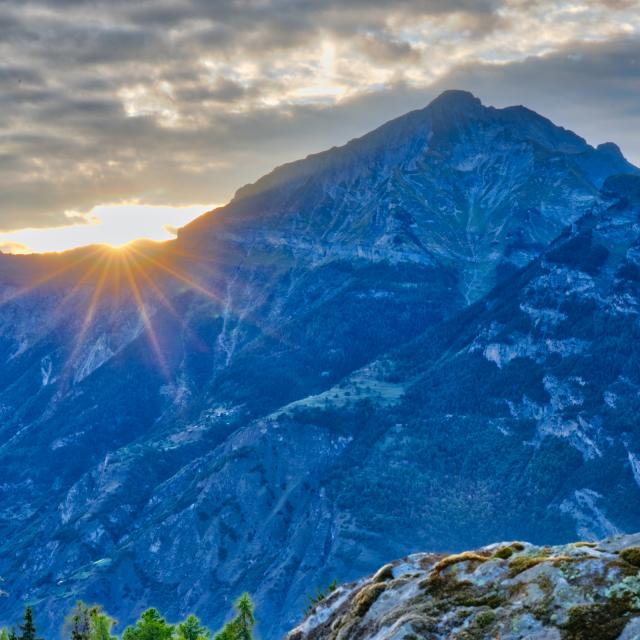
pixel 611 148
pixel 455 99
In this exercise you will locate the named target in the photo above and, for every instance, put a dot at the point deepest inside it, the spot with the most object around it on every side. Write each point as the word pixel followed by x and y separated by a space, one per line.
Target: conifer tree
pixel 28 628
pixel 150 626
pixel 245 620
pixel 192 629
pixel 241 627
pixel 226 633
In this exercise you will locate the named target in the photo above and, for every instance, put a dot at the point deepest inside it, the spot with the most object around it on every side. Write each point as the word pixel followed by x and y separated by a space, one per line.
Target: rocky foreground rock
pixel 506 591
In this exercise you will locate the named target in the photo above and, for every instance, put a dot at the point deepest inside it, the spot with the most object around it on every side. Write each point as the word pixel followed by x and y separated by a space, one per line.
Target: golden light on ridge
pixel 112 225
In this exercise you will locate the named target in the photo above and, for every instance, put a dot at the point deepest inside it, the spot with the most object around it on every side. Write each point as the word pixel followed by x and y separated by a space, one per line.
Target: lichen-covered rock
pixel 579 591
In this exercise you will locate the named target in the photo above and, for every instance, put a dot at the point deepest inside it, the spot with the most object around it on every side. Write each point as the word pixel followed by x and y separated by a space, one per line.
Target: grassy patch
pixel 365 598
pixel 384 573
pixel 456 558
pixel 631 555
pixel 522 563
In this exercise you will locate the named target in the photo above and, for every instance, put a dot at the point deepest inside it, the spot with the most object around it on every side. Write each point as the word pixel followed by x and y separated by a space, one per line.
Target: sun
pixel 114 225
pixel 119 248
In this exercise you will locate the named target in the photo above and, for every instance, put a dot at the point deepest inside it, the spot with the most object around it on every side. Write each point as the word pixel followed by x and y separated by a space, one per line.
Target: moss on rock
pixel 602 621
pixel 631 555
pixel 383 574
pixel 456 558
pixel 503 553
pixel 365 598
pixel 522 563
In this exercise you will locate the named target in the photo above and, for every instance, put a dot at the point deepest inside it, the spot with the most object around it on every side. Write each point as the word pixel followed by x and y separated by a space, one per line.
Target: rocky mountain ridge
pixel 256 405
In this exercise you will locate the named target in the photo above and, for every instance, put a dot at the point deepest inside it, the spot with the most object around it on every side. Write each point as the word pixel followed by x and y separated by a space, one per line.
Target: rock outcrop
pixel 506 591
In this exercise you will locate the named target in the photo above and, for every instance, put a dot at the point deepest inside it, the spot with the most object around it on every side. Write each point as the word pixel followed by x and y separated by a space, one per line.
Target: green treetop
pixel 101 624
pixel 150 626
pixel 28 628
pixel 88 623
pixel 241 627
pixel 245 620
pixel 192 629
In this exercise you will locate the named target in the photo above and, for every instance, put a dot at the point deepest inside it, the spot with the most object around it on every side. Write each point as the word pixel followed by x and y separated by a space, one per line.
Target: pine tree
pixel 226 633
pixel 245 620
pixel 28 628
pixel 150 626
pixel 192 629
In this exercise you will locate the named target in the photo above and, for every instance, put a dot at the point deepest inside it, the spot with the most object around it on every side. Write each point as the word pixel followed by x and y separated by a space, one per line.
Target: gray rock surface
pixel 512 590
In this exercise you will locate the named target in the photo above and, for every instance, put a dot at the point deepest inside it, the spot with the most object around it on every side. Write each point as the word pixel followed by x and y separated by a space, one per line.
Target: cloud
pixel 13 247
pixel 176 102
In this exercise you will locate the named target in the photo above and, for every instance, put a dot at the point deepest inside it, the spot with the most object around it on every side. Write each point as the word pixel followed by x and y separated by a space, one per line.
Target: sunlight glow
pixel 112 225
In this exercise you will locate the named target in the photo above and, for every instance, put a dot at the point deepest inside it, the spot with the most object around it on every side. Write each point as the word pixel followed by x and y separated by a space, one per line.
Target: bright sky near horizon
pixel 113 225
pixel 173 103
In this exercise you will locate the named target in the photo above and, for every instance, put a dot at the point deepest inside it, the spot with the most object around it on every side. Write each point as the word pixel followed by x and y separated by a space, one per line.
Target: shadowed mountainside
pixel 423 338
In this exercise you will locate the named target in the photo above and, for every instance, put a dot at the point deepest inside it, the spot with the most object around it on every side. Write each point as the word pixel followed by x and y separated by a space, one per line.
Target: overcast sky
pixel 180 102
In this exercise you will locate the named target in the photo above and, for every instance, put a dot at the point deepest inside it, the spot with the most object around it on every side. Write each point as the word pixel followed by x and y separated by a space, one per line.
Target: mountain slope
pixel 530 397
pixel 234 410
pixel 478 189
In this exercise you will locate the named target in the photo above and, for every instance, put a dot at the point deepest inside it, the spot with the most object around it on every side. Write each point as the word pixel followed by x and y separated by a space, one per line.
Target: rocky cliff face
pixel 511 591
pixel 389 346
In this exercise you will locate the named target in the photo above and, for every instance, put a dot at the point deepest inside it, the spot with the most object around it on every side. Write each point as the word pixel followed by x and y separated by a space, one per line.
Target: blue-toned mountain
pixel 363 354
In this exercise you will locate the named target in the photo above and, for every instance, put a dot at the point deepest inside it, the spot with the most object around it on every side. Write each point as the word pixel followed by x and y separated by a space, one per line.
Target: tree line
pixel 90 622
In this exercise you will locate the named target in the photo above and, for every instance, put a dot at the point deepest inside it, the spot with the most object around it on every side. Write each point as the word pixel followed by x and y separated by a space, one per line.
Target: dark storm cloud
pixel 180 101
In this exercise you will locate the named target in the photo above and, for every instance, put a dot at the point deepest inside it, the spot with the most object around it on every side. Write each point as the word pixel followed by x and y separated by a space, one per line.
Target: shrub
pixel 628 589
pixel 504 553
pixel 320 595
pixel 631 555
pixel 485 618
pixel 594 622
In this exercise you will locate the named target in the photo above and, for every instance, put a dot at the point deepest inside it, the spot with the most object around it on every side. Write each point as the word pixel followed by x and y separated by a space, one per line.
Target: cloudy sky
pixel 170 105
